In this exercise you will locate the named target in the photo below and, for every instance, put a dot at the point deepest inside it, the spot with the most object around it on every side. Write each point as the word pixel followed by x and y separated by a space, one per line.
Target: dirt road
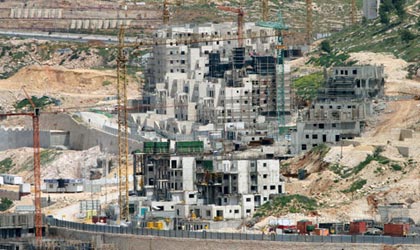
pixel 396 117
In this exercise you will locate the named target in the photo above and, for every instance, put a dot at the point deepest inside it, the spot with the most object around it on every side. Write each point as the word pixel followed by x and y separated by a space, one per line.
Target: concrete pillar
pixel 100 24
pixel 32 13
pixel 113 24
pixel 60 13
pixel 39 13
pixel 86 24
pixel 92 24
pixel 46 13
pixel 106 24
pixel 73 24
pixel 78 24
pixel 25 13
pixel 12 13
pixel 19 13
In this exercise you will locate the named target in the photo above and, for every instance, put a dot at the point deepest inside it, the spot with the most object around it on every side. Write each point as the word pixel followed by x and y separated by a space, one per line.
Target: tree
pixel 399 8
pixel 307 86
pixel 325 46
pixel 406 35
pixel 5 204
pixel 383 15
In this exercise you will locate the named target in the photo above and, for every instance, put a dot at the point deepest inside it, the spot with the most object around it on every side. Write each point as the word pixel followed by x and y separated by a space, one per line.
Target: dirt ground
pixel 74 87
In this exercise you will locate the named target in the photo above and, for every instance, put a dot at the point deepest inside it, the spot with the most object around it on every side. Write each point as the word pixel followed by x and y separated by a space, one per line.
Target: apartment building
pixel 341 108
pixel 209 187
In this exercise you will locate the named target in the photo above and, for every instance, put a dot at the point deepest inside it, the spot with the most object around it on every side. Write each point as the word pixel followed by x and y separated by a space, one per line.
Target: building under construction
pixel 217 82
pixel 341 108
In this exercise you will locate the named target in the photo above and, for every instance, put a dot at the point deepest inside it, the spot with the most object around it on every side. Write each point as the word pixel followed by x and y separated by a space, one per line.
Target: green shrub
pixel 6 165
pixel 355 186
pixel 106 83
pixel 396 167
pixel 5 204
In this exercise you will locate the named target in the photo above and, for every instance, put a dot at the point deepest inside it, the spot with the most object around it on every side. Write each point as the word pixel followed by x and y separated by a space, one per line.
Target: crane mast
pixel 240 21
pixel 309 21
pixel 353 11
pixel 122 127
pixel 264 7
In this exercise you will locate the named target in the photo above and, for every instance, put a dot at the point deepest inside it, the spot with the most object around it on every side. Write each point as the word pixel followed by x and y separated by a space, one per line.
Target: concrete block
pixel 86 24
pixel 406 133
pixel 73 24
pixel 79 24
pixel 404 151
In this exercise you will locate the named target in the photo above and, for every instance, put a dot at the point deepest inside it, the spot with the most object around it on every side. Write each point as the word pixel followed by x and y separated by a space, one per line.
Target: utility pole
pixel 37 164
pixel 353 11
pixel 309 21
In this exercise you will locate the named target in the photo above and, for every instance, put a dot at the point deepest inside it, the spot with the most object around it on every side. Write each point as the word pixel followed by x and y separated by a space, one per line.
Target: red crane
pixel 241 15
pixel 37 164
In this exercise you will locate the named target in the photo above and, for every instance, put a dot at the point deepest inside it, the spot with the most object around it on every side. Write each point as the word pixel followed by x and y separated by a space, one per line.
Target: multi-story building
pixel 212 188
pixel 215 81
pixel 341 108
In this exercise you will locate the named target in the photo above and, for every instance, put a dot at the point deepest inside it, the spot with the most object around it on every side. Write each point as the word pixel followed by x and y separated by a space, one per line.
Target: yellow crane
pixel 264 8
pixel 353 11
pixel 123 193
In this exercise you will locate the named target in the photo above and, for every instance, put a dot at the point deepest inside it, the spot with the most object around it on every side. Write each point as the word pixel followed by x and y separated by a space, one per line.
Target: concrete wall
pixel 134 242
pixel 17 138
pixel 11 195
pixel 81 136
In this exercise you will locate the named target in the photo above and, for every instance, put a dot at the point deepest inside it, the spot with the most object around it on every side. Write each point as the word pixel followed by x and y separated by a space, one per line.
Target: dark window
pixel 272 187
pixel 303 146
pixel 314 136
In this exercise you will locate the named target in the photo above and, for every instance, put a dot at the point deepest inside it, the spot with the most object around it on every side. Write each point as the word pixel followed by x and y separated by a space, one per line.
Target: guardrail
pixel 233 236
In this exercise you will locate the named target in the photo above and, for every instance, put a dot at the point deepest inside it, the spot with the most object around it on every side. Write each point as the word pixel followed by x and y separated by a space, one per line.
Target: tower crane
pixel 279 26
pixel 353 11
pixel 264 9
pixel 241 15
pixel 37 164
pixel 166 14
pixel 122 127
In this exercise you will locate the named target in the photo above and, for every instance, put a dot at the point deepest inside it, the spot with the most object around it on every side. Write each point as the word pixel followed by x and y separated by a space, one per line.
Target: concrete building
pixel 209 188
pixel 371 9
pixel 216 82
pixel 12 179
pixel 63 186
pixel 341 107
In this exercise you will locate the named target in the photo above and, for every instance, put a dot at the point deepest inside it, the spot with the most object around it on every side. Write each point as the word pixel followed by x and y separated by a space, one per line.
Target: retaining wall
pixel 137 242
pixel 16 138
pixel 83 137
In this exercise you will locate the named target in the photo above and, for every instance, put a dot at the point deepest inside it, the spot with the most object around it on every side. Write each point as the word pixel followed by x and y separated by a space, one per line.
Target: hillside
pixel 399 34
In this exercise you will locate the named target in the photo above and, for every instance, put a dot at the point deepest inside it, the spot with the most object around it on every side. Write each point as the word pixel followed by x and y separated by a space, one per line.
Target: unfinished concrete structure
pixel 341 108
pixel 217 82
pixel 194 185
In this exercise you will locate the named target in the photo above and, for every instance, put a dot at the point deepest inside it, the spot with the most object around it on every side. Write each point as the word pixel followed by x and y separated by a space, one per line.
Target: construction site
pixel 126 126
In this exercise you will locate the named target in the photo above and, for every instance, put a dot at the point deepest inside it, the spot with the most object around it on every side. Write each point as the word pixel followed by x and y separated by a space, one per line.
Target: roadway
pixel 57 36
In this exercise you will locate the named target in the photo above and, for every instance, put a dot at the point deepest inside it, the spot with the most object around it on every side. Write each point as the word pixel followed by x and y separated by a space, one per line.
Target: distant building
pixel 341 108
pixel 371 9
pixel 217 82
pixel 210 188
pixel 12 179
pixel 63 185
